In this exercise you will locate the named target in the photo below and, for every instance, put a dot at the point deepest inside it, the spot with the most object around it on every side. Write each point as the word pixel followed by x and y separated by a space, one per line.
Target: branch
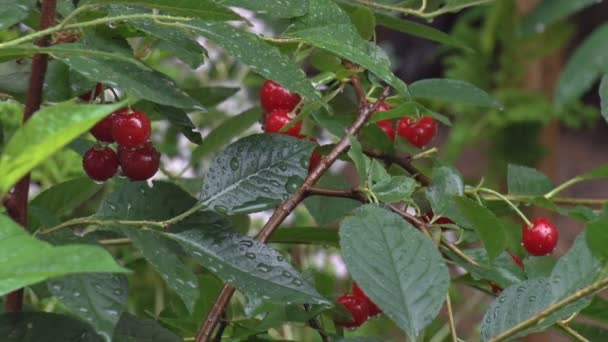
pixel 314 323
pixel 288 206
pixel 402 160
pixel 451 321
pixel 572 333
pixel 18 198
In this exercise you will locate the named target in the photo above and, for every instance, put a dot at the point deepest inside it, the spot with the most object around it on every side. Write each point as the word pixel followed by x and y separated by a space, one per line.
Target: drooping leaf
pixel 604 97
pixel 396 265
pixel 447 182
pixel 272 8
pixel 96 298
pixel 134 329
pixel 27 260
pixel 549 11
pixel 206 9
pixel 13 11
pixel 394 189
pixel 584 68
pixel 44 326
pixel 524 180
pixel 256 173
pixel 178 119
pixel 329 28
pixel 360 160
pixel 486 224
pixel 453 92
pixel 44 134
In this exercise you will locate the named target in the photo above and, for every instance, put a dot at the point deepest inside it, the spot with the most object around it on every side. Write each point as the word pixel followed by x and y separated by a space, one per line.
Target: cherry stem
pixel 511 204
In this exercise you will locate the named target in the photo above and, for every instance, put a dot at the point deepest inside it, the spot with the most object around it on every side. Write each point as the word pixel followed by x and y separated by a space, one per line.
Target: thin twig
pixel 448 303
pixel 573 333
pixel 402 160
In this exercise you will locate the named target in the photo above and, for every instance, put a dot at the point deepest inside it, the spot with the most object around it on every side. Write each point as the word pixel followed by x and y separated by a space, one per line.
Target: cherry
pixel 417 132
pixel 100 163
pixel 315 159
pixel 131 129
pixel 541 238
pixel 373 308
pixel 93 94
pixel 517 261
pixel 429 215
pixel 495 288
pixel 273 96
pixel 358 309
pixel 388 125
pixel 140 163
pixel 102 131
pixel 277 119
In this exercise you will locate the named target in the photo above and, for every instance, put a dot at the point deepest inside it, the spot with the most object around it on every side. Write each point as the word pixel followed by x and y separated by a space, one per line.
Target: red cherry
pixel 277 119
pixel 358 309
pixel 517 261
pixel 131 128
pixel 140 163
pixel 100 163
pixel 429 215
pixel 315 159
pixel 388 125
pixel 102 131
pixel 93 94
pixel 373 308
pixel 273 96
pixel 495 288
pixel 418 133
pixel 541 238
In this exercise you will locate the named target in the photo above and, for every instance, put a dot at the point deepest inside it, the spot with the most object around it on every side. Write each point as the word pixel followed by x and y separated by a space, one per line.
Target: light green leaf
pixel 272 8
pixel 44 326
pixel 588 63
pixel 524 180
pixel 597 238
pixel 604 97
pixel 256 173
pixel 327 210
pixel 45 133
pixel 486 224
pixel 397 266
pixel 13 11
pixel 27 260
pixel 365 22
pixel 549 11
pixel 329 28
pixel 361 161
pixel 395 189
pixel 453 92
pixel 66 196
pixel 447 182
pixel 206 9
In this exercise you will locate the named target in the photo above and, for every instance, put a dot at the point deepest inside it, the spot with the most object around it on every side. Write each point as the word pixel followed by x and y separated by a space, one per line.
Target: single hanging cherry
pixel 100 163
pixel 540 238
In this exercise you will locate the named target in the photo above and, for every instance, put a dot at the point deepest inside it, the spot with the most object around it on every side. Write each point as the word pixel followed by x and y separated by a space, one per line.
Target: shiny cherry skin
pixel 418 132
pixel 100 163
pixel 517 261
pixel 102 131
pixel 315 159
pixel 495 288
pixel 541 238
pixel 273 96
pixel 388 125
pixel 277 119
pixel 93 94
pixel 358 309
pixel 429 215
pixel 373 308
pixel 140 163
pixel 131 128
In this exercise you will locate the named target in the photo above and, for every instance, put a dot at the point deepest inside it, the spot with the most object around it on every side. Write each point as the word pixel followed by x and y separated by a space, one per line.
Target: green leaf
pixel 361 161
pixel 257 270
pixel 256 173
pixel 447 182
pixel 211 96
pixel 306 235
pixel 523 180
pixel 44 326
pixel 587 64
pixel 453 92
pixel 598 172
pixel 180 120
pixel 207 9
pixel 365 22
pixel 597 310
pixel 27 260
pixel 272 8
pixel 65 197
pixel 13 11
pixel 134 329
pixel 44 134
pixel 486 224
pixel 590 332
pixel 502 271
pixel 550 11
pixel 412 281
pixel 97 298
pixel 576 269
pixel 597 238
pixel 252 51
pixel 604 97
pixel 394 189
pixel 326 210
pixel 225 132
pixel 329 28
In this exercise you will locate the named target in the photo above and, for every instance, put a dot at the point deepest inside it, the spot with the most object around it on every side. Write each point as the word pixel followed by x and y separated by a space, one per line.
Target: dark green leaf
pixel 488 227
pixel 576 269
pixel 134 329
pixel 211 96
pixel 550 11
pixel 604 97
pixel 45 133
pixel 261 57
pixel 395 189
pixel 447 182
pixel 326 210
pixel 502 271
pixel 360 160
pixel 598 172
pixel 597 238
pixel 179 119
pixel 225 132
pixel 365 22
pixel 537 267
pixel 65 197
pixel 96 298
pixel 27 260
pixel 256 173
pixel 272 8
pixel 453 92
pixel 587 64
pixel 44 326
pixel 304 235
pixel 597 310
pixel 329 28
pixel 524 180
pixel 396 265
pixel 590 332
pixel 207 9
pixel 13 11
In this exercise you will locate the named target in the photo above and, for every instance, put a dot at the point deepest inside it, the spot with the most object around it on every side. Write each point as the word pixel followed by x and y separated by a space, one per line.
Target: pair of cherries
pixel 359 306
pixel 278 104
pixel 419 132
pixel 137 158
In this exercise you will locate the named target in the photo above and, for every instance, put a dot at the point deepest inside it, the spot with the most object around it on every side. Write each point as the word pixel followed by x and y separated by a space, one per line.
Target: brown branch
pixel 16 202
pixel 314 323
pixel 404 161
pixel 288 206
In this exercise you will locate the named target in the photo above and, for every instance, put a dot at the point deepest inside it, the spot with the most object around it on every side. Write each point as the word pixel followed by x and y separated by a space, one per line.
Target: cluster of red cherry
pixel 136 156
pixel 359 306
pixel 419 132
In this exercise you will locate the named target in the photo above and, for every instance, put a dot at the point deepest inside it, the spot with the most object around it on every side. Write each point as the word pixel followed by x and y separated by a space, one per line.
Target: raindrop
pixel 304 162
pixel 297 282
pixel 118 292
pixel 85 310
pixel 220 209
pixel 532 298
pixel 191 284
pixel 250 255
pixel 283 167
pixel 76 294
pixel 234 164
pixel 246 243
pixel 539 28
pixel 286 274
pixel 266 189
pixel 263 268
pixel 293 184
pixel 280 258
